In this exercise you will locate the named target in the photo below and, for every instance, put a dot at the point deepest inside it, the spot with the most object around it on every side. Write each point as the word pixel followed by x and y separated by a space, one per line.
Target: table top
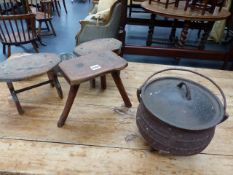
pixel 179 13
pixel 98 45
pixel 101 132
pixel 86 67
pixel 22 66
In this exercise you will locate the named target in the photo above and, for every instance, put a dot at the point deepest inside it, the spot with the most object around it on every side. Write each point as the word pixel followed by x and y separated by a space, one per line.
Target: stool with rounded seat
pixel 88 67
pixel 24 66
pixel 98 45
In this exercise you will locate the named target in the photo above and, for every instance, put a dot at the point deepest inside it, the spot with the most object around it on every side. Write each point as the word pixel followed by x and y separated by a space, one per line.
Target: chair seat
pixel 18 38
pixel 41 16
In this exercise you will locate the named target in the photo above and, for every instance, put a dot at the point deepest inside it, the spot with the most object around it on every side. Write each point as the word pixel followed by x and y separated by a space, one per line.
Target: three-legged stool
pixel 25 66
pixel 86 68
pixel 98 45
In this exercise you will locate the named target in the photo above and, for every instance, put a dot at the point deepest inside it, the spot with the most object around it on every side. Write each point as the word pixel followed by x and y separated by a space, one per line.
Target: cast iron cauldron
pixel 178 116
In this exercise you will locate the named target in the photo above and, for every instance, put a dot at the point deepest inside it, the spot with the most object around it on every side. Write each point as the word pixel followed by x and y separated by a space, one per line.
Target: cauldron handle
pixel 139 90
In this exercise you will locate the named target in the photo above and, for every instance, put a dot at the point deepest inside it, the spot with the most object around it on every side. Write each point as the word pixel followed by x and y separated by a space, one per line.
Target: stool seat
pixel 87 67
pixel 98 45
pixel 90 66
pixel 23 66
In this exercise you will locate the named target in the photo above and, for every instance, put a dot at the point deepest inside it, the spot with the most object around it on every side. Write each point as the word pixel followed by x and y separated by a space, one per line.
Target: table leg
pixel 119 84
pixel 15 98
pixel 205 35
pixel 183 34
pixel 151 31
pixel 72 94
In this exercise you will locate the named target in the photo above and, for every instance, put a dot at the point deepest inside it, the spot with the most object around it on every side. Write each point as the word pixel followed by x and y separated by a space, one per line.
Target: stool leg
pixel 92 83
pixel 57 86
pixel 50 76
pixel 103 82
pixel 15 98
pixel 72 94
pixel 119 84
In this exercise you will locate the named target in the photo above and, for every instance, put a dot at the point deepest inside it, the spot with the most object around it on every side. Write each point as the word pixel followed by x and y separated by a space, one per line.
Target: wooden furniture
pixel 25 66
pixel 45 15
pixel 188 53
pixel 135 7
pixel 85 68
pixel 98 45
pixel 57 5
pixel 8 7
pixel 188 16
pixel 101 136
pixel 166 2
pixel 17 30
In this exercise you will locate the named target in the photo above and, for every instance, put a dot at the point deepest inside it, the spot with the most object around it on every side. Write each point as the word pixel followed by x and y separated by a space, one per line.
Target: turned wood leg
pixel 72 94
pixel 119 84
pixel 15 98
pixel 205 35
pixel 172 36
pixel 92 83
pixel 150 31
pixel 183 34
pixel 103 82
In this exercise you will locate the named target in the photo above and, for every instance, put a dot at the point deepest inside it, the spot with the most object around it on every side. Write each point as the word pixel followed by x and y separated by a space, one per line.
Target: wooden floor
pixel 100 136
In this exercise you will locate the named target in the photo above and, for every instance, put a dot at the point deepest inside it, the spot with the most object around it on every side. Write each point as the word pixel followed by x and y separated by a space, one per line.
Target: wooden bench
pixel 24 66
pixel 88 67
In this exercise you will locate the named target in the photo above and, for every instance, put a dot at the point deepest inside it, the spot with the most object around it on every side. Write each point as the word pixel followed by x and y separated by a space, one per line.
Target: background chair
pixel 17 30
pixel 45 15
pixel 94 29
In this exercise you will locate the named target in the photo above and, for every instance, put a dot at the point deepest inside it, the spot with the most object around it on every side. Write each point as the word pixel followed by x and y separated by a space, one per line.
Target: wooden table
pixel 188 16
pixel 101 136
pixel 24 66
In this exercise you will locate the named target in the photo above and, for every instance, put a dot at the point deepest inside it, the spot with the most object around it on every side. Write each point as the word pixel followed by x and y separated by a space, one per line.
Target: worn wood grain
pixel 98 119
pixel 98 45
pixel 26 66
pixel 52 158
pixel 90 66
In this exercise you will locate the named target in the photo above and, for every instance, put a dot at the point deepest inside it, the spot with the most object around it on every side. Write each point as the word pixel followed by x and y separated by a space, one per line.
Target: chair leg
pixel 47 25
pixel 120 86
pixel 15 98
pixel 35 46
pixel 39 27
pixel 4 49
pixel 64 4
pixel 51 25
pixel 56 7
pixel 70 100
pixel 9 51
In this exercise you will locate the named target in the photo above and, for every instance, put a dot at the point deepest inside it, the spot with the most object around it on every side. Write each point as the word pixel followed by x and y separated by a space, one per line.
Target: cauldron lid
pixel 182 103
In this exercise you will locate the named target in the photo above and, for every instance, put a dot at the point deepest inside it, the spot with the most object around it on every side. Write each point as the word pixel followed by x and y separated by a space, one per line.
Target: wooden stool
pixel 98 45
pixel 87 67
pixel 24 66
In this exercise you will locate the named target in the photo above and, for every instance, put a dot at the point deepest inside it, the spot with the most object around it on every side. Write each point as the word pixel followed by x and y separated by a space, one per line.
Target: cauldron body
pixel 168 139
pixel 178 116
